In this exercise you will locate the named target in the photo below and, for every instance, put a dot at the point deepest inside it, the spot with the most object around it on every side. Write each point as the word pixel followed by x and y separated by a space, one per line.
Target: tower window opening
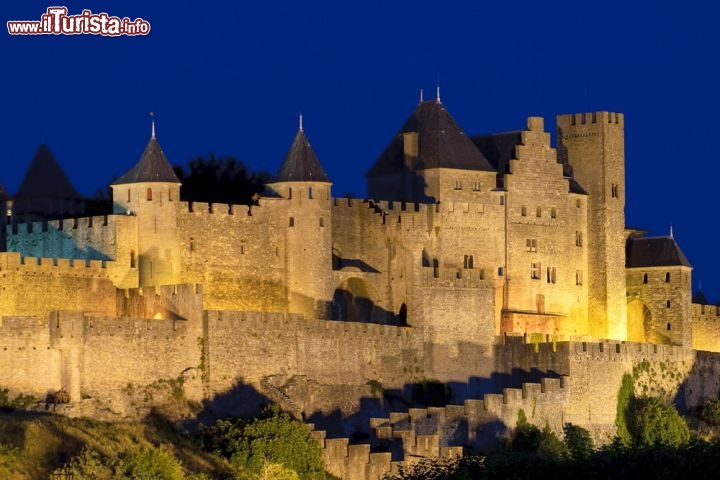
pixel 468 261
pixel 170 196
pixel 667 277
pixel 667 304
pixel 538 212
pixel 523 211
pixel 192 244
pixel 310 193
pixel 322 222
pixel 578 277
pixel 458 185
pixel 578 239
pixel 128 196
pixel 476 186
pixel 149 194
pixel 531 245
pixel 614 190
pixel 291 222
pixel 645 278
pixel 668 326
pixel 535 270
pixel 132 259
pixel 553 212
pixel 290 193
pixel 502 200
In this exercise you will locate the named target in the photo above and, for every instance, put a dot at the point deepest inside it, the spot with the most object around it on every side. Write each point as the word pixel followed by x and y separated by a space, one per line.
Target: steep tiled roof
pixel 441 144
pixel 152 167
pixel 46 179
pixel 301 164
pixel 499 149
pixel 654 252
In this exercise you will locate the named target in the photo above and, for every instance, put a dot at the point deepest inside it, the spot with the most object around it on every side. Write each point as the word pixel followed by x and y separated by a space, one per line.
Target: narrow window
pixel 614 190
pixel 668 326
pixel 149 194
pixel 501 271
pixel 458 185
pixel 578 239
pixel 322 222
pixel 553 212
pixel 132 258
pixel 667 277
pixel 470 261
pixel 170 197
pixel 578 277
pixel 242 247
pixel 292 222
pixel 128 200
pixel 535 270
pixel 531 245
pixel 645 278
pixel 290 193
pixel 578 203
pixel 523 211
pixel 310 193
pixel 551 278
pixel 502 200
pixel 192 244
pixel 436 269
pixel 476 186
pixel 538 212
pixel 482 274
pixel 667 305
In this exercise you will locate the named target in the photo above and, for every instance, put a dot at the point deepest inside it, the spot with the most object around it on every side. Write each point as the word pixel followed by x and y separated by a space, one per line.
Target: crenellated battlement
pixel 16 263
pixel 231 210
pixel 590 118
pixel 63 225
pixel 456 277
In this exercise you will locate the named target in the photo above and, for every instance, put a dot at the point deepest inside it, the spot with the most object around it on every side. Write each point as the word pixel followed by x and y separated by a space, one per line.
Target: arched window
pixel 645 278
pixel 668 326
pixel 667 277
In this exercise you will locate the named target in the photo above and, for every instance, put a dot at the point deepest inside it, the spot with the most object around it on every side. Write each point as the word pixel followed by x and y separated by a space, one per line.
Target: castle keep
pixel 475 257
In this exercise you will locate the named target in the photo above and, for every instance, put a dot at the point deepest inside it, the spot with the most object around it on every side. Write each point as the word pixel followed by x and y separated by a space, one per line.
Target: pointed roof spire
pixel 671 231
pixel 45 178
pixel 301 164
pixel 153 165
pixel 421 95
pixel 437 93
pixel 300 127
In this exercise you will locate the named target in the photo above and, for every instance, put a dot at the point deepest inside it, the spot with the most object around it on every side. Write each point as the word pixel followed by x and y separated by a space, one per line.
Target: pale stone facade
pixel 464 243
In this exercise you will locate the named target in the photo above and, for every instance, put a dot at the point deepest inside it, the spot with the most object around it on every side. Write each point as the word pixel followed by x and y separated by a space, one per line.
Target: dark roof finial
pixel 300 126
pixel 671 232
pixel 421 95
pixel 437 93
pixel 152 121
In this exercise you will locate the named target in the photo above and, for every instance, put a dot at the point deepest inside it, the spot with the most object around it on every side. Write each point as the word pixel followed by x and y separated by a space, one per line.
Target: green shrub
pixel 625 395
pixel 710 411
pixel 578 441
pixel 651 421
pixel 274 437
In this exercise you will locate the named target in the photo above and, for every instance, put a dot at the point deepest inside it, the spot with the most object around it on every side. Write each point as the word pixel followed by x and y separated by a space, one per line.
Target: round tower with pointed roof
pixel 151 191
pixel 305 189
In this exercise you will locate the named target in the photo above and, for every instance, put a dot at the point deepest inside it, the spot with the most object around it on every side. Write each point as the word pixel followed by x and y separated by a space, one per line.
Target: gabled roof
pixel 301 164
pixel 499 149
pixel 654 252
pixel 152 167
pixel 45 178
pixel 441 144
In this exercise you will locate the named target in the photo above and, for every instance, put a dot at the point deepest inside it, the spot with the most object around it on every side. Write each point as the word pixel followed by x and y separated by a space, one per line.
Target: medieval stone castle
pixel 498 265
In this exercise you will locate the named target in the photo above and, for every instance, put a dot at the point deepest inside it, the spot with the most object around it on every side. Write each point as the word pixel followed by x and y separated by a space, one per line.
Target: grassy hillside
pixel 33 445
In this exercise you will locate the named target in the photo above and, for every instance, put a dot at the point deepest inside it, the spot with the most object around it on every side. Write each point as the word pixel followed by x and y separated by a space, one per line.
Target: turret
pixel 430 160
pixel 46 192
pixel 304 187
pixel 592 145
pixel 151 191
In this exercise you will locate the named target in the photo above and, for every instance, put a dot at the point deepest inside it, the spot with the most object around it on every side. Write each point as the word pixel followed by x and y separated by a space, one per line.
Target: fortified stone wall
pixel 37 286
pixel 101 238
pixel 705 321
pixel 659 305
pixel 236 252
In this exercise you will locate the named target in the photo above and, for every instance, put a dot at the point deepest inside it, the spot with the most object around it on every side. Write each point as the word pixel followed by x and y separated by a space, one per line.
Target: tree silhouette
pixel 219 180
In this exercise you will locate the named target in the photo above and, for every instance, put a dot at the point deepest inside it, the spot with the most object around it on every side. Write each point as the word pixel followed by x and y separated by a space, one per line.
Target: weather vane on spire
pixel 300 122
pixel 152 121
pixel 437 92
pixel 421 95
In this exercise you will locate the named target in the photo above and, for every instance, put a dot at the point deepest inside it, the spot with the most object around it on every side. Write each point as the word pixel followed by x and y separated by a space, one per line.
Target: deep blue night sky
pixel 231 77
